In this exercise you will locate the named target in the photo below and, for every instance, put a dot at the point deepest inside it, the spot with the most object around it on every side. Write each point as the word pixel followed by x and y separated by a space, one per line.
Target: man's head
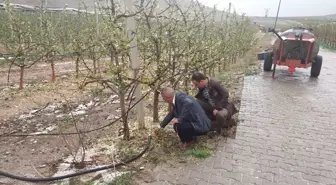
pixel 199 80
pixel 167 94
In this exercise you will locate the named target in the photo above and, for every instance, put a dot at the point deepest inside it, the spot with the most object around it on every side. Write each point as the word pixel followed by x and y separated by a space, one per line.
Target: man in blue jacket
pixel 190 118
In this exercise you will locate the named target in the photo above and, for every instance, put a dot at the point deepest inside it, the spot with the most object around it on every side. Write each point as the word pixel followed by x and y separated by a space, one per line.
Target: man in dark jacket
pixel 214 99
pixel 190 119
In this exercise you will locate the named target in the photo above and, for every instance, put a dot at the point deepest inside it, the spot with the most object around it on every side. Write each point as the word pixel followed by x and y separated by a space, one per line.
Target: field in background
pixel 287 22
pixel 324 27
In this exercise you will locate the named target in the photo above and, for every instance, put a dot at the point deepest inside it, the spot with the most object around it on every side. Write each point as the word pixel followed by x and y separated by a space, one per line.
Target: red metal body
pixel 284 55
pixel 290 62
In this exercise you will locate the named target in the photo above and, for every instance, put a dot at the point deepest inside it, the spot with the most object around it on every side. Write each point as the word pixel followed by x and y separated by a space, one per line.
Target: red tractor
pixel 295 48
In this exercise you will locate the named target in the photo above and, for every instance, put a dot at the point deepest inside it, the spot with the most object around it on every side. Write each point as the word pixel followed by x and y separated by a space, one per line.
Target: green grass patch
pixel 127 151
pixel 249 71
pixel 200 153
pixel 227 78
pixel 74 181
pixel 325 45
pixel 2 62
pixel 124 179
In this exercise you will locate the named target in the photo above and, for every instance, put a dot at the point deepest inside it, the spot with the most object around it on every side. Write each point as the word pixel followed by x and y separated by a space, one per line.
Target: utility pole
pixel 97 29
pixel 135 63
pixel 230 7
pixel 266 12
pixel 228 24
pixel 276 19
pixel 96 14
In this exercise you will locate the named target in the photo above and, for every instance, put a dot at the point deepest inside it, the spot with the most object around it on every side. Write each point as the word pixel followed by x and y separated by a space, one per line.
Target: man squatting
pixel 211 111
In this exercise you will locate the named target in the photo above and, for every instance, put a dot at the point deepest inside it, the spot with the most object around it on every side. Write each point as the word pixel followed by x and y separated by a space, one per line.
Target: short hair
pixel 198 76
pixel 168 91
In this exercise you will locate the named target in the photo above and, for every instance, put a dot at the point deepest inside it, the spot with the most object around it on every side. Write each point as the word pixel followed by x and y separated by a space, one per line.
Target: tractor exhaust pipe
pixel 302 50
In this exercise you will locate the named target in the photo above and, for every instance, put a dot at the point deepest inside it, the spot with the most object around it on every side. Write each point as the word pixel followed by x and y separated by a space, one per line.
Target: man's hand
pixel 157 130
pixel 175 121
pixel 215 112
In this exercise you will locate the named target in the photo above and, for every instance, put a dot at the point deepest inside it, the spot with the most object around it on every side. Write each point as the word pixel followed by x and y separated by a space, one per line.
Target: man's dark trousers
pixel 220 118
pixel 207 108
pixel 186 132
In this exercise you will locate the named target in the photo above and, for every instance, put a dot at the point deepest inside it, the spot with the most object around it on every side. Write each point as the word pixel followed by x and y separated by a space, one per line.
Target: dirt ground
pixel 38 89
pixel 45 107
pixel 60 107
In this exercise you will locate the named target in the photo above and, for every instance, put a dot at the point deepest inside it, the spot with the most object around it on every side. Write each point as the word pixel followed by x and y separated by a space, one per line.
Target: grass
pixel 230 77
pixel 2 62
pixel 126 150
pixel 124 179
pixel 325 45
pixel 74 180
pixel 164 148
pixel 200 153
pixel 251 70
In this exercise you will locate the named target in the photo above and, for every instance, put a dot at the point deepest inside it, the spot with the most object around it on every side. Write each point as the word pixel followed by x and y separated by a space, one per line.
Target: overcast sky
pixel 287 8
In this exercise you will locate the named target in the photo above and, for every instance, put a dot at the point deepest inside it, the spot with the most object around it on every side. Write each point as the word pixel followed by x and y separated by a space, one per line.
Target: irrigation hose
pixel 48 179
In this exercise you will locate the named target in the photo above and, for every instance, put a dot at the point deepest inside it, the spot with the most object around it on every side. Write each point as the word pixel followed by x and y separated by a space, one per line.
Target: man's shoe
pixel 233 122
pixel 184 145
pixel 225 133
pixel 219 130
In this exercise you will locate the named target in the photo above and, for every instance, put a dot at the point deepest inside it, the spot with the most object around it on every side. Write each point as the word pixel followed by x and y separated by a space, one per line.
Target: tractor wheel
pixel 268 61
pixel 316 67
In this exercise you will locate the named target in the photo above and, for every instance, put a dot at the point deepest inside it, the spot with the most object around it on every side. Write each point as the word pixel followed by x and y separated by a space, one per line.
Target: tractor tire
pixel 316 66
pixel 268 61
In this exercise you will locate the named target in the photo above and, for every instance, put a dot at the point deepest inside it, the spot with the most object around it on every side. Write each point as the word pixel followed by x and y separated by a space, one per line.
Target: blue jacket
pixel 187 109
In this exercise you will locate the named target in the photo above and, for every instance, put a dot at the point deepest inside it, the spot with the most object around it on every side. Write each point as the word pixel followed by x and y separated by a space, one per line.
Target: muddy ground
pixel 45 107
pixel 60 107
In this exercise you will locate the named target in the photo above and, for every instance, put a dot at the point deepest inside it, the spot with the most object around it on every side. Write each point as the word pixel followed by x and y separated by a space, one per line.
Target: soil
pixel 45 107
pixel 38 90
pixel 60 107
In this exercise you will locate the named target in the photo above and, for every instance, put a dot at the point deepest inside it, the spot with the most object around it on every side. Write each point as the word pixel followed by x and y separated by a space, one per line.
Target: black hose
pixel 48 179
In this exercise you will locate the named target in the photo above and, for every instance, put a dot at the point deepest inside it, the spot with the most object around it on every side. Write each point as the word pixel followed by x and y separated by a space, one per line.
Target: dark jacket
pixel 220 96
pixel 187 109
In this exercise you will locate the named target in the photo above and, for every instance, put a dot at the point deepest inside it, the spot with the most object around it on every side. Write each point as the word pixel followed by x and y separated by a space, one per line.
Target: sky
pixel 288 7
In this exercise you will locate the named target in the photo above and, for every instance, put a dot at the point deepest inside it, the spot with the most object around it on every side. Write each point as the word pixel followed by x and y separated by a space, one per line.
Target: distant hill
pixel 287 22
pixel 55 3
pixel 183 4
pixel 332 16
pixel 322 17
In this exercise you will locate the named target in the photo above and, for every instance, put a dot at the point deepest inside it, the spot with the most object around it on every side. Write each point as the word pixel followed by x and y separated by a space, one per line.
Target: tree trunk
pixel 235 58
pixel 213 71
pixel 77 67
pixel 186 88
pixel 21 76
pixel 124 116
pixel 156 106
pixel 98 66
pixel 186 79
pixel 205 72
pixel 122 98
pixel 9 72
pixel 94 65
pixel 53 74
